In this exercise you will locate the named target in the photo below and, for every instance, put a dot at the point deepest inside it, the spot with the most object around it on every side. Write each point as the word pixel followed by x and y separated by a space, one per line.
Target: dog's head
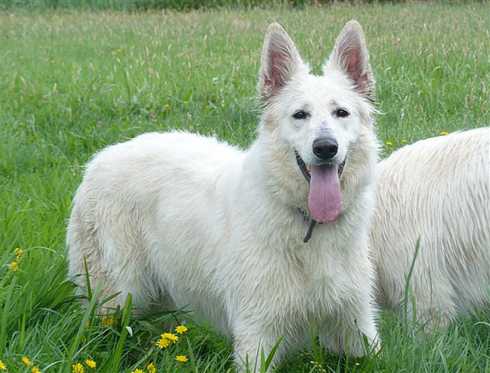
pixel 317 119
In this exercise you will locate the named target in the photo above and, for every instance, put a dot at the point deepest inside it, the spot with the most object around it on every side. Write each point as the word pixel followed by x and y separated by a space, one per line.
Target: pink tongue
pixel 324 200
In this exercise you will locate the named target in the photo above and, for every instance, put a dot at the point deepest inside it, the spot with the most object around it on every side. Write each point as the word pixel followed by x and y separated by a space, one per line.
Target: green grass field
pixel 73 82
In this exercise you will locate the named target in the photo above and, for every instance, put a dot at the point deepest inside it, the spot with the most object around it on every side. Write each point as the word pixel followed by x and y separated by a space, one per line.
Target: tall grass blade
pixel 118 352
pixel 407 284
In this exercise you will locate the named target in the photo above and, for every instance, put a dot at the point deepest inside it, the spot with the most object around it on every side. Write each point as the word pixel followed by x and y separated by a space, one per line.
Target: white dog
pixel 182 220
pixel 436 190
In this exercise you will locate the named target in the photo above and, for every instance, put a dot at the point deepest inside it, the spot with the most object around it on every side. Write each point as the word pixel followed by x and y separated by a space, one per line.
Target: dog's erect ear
pixel 350 55
pixel 280 61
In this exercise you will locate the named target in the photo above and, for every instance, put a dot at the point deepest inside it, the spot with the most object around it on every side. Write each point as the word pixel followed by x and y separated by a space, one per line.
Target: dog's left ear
pixel 350 55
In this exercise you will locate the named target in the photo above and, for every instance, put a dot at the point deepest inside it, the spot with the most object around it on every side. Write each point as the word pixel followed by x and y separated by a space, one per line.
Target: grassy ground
pixel 138 5
pixel 71 83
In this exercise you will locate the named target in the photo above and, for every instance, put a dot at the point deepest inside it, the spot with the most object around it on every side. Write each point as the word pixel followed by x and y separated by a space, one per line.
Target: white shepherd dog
pixel 436 190
pixel 181 220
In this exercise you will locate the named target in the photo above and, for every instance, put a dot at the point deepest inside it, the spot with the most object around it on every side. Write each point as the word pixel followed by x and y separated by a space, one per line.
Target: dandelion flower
pixel 91 363
pixel 18 253
pixel 151 368
pixel 108 320
pixel 14 266
pixel 163 343
pixel 170 336
pixel 77 368
pixel 138 370
pixel 181 358
pixel 26 361
pixel 181 329
pixel 389 143
pixel 2 365
pixel 443 133
pixel 35 370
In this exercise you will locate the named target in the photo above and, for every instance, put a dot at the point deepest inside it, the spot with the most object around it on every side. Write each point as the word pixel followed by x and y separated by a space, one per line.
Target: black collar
pixel 311 222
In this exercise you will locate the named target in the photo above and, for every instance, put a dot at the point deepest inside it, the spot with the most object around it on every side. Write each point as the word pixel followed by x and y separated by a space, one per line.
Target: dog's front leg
pixel 251 342
pixel 347 334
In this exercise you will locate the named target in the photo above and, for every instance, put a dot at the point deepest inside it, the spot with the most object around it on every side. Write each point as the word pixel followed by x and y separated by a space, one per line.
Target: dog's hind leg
pixel 85 257
pixel 429 301
pixel 97 263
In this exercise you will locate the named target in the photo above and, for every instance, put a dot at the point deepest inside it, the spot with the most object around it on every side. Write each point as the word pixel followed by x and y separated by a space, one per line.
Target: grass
pixel 137 5
pixel 74 82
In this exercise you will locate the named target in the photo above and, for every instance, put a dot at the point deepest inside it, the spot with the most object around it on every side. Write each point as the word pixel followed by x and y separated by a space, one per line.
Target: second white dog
pixel 436 191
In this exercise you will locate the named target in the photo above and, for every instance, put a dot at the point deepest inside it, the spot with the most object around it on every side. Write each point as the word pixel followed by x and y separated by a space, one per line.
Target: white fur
pixel 437 190
pixel 181 220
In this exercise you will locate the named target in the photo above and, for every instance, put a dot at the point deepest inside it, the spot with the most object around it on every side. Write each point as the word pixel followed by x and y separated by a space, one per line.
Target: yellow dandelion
pixel 389 143
pixel 108 320
pixel 2 365
pixel 404 141
pixel 181 329
pixel 170 336
pixel 138 370
pixel 14 266
pixel 181 358
pixel 91 363
pixel 163 343
pixel 151 368
pixel 35 370
pixel 18 253
pixel 443 133
pixel 77 368
pixel 26 361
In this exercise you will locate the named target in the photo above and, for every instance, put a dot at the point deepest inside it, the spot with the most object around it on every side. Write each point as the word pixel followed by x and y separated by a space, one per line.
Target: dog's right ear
pixel 280 61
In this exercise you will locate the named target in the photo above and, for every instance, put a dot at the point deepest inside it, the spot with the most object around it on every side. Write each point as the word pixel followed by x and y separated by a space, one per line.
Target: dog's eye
pixel 341 113
pixel 301 114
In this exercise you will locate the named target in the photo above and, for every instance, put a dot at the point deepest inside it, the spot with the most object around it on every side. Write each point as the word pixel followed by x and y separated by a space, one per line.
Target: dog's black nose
pixel 325 148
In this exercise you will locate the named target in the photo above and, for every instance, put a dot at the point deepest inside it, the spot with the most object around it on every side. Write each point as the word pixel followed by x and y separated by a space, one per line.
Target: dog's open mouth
pixel 324 197
pixel 306 170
